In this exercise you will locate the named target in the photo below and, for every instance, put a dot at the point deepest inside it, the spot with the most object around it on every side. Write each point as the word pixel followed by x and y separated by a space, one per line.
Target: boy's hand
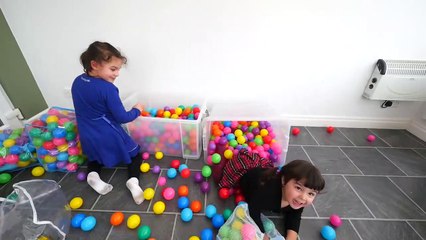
pixel 138 106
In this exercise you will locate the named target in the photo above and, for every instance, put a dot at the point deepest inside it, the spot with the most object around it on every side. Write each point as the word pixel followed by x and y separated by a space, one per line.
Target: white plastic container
pixel 248 112
pixel 172 137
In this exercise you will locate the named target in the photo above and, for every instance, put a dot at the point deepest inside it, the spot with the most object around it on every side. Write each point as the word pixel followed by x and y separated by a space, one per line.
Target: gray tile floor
pixel 376 188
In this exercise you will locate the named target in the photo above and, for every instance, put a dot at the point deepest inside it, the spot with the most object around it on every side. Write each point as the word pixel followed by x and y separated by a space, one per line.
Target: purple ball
pixel 156 169
pixel 212 145
pixel 205 187
pixel 244 128
pixel 81 176
pixel 223 141
pixel 198 177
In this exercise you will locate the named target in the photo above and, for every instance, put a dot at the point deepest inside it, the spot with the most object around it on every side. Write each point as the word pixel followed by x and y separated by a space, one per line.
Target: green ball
pixel 206 171
pixel 69 126
pixel 52 126
pixel 235 234
pixel 25 156
pixel 269 226
pixel 233 143
pixel 17 131
pixel 14 136
pixel 224 231
pixel 5 178
pixel 37 142
pixel 70 136
pixel 35 132
pixel 216 158
pixel 46 136
pixel 227 213
pixel 4 151
pixel 144 232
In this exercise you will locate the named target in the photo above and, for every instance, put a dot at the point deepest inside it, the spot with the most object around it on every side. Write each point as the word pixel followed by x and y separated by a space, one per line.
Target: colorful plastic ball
pixel 37 171
pixel 371 138
pixel 228 154
pixel 148 194
pixel 161 181
pixel 145 156
pixel 227 213
pixel 183 202
pixel 205 187
pixel 5 178
pixel 216 158
pixel 175 163
pixel 193 238
pixel 196 206
pixel 328 233
pixel 198 177
pixel 330 129
pixel 159 155
pixel 224 193
pixel 8 143
pixel 159 207
pixel 76 203
pixel 206 234
pixel 145 167
pixel 144 232
pixel 77 219
pixel 295 131
pixel 116 218
pixel 248 231
pixel 210 211
pixel 185 173
pixel 183 190
pixel 133 221
pixel 171 173
pixel 182 167
pixel 88 223
pixel 168 193
pixel 156 169
pixel 186 215
pixel 239 198
pixel 218 220
pixel 206 171
pixel 81 176
pixel 335 220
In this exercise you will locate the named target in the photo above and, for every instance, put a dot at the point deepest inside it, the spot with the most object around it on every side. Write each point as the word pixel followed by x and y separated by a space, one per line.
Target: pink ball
pixel 72 167
pixel 11 159
pixel 335 220
pixel 145 155
pixel 168 193
pixel 161 181
pixel 248 231
pixel 209 160
pixel 371 138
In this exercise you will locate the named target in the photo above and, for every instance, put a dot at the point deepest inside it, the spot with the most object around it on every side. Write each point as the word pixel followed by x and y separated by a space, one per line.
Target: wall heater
pixel 401 80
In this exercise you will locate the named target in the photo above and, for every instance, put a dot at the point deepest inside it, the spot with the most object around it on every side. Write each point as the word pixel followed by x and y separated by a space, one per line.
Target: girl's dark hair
pixel 99 52
pixel 298 170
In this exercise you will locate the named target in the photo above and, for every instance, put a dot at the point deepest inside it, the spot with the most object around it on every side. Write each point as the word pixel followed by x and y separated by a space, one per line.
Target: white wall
pixel 310 59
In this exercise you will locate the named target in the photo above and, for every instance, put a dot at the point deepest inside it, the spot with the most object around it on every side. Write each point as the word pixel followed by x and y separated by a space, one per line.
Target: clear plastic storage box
pixel 171 136
pixel 230 127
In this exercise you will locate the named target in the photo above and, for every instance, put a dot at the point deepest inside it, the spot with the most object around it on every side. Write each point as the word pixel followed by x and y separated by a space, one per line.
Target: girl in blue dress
pixel 100 113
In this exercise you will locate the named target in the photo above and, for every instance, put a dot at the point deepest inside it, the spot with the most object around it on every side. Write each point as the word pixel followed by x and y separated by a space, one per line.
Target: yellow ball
pixel 148 194
pixel 228 154
pixel 133 221
pixel 264 132
pixel 159 155
pixel 178 111
pixel 159 207
pixel 238 133
pixel 241 214
pixel 237 225
pixel 254 124
pixel 166 114
pixel 76 203
pixel 51 119
pixel 49 159
pixel 144 167
pixel 23 164
pixel 241 139
pixel 174 116
pixel 37 171
pixel 8 143
pixel 193 238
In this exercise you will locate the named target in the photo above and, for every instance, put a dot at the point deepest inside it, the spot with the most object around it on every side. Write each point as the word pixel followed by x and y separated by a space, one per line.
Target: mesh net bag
pixel 241 226
pixel 35 209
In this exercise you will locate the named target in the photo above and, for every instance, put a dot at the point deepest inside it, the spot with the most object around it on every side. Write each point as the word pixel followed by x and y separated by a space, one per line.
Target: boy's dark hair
pixel 99 52
pixel 298 170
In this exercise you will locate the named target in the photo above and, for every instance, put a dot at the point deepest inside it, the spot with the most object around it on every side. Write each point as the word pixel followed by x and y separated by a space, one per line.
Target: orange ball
pixel 196 206
pixel 116 218
pixel 183 190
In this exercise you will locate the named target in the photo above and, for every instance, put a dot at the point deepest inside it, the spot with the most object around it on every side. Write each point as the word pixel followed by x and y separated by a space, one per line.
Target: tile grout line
pixel 155 190
pixel 362 146
pixel 370 175
pixel 174 227
pixel 352 161
pixel 304 150
pixel 406 195
pixel 344 135
pixel 418 153
pixel 391 161
pixel 356 230
pixel 312 136
pixel 315 210
pixel 109 233
pixel 99 197
pixel 414 230
pixel 411 137
pixel 377 135
pixel 356 193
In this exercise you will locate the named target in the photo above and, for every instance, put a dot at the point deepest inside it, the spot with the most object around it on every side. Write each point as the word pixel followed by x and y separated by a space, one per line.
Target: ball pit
pixel 55 138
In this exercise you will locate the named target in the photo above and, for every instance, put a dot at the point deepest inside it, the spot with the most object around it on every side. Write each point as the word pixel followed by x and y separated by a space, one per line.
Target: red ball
pixel 295 131
pixel 175 163
pixel 185 173
pixel 224 193
pixel 239 198
pixel 330 129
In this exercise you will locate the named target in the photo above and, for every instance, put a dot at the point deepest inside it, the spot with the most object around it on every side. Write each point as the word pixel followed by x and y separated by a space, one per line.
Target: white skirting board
pixel 353 122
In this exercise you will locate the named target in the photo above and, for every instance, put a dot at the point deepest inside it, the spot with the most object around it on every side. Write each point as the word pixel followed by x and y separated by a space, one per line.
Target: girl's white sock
pixel 137 193
pixel 97 184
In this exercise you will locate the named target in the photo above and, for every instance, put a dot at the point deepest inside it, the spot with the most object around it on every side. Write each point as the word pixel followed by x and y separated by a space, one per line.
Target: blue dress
pixel 100 113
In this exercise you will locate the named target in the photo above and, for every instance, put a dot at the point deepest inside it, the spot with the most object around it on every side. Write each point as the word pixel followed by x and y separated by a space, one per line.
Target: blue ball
pixel 15 150
pixel 182 166
pixel 59 133
pixel 51 167
pixel 218 221
pixel 227 123
pixel 210 211
pixel 328 233
pixel 183 202
pixel 206 234
pixel 63 156
pixel 186 215
pixel 88 223
pixel 77 219
pixel 171 173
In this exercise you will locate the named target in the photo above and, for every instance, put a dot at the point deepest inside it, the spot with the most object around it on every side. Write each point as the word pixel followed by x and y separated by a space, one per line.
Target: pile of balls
pixel 173 138
pixel 228 137
pixel 55 138
pixel 15 150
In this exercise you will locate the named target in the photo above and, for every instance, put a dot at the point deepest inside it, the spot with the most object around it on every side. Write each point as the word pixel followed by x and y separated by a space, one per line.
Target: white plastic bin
pixel 172 137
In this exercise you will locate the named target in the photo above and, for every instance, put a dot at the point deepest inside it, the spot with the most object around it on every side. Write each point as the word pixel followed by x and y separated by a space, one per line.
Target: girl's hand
pixel 265 237
pixel 138 106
